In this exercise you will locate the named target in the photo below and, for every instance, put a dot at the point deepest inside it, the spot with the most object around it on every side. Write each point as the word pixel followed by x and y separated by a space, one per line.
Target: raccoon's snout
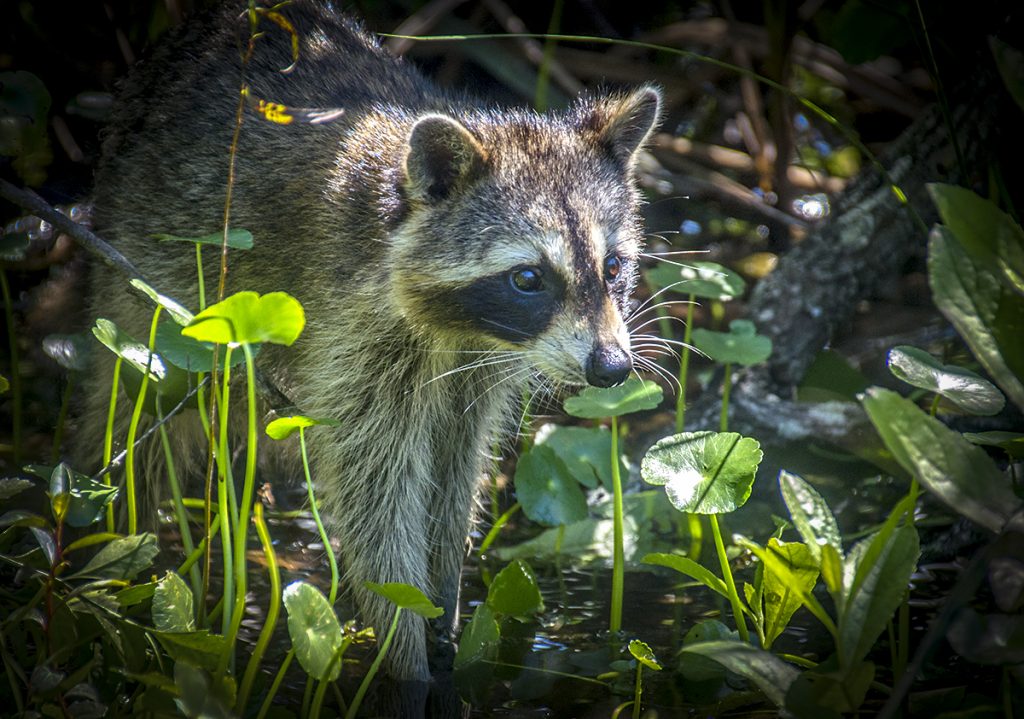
pixel 608 365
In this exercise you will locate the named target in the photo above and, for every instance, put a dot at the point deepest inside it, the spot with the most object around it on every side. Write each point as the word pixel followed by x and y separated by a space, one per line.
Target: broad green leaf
pixel 685 565
pixel 479 639
pixel 1010 442
pixel 122 558
pixel 284 427
pixel 246 317
pixel 406 596
pixel 986 313
pixel 69 351
pixel 703 472
pixel 709 280
pixel 769 673
pixel 832 572
pixel 170 382
pixel 178 313
pixel 633 395
pixel 781 598
pixel 959 473
pixel 548 493
pixel 698 668
pixel 189 354
pixel 86 498
pixel 13 486
pixel 314 630
pixel 865 614
pixel 200 696
pixel 831 377
pixel 21 518
pixel 1010 62
pixel 586 452
pixel 136 594
pixel 643 654
pixel 740 345
pixel 960 386
pixel 129 349
pixel 810 514
pixel 514 592
pixel 199 647
pixel 238 239
pixel 172 605
pixel 825 692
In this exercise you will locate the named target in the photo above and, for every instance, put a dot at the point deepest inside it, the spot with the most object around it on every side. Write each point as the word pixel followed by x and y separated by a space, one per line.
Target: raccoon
pixel 450 256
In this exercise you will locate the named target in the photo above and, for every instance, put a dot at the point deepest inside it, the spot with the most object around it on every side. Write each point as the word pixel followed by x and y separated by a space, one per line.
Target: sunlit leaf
pixel 246 317
pixel 784 595
pixel 708 280
pixel 190 354
pixel 69 351
pixel 87 498
pixel 314 630
pixel 238 239
pixel 178 313
pixel 810 514
pixel 769 673
pixel 548 493
pixel 633 395
pixel 13 486
pixel 703 472
pixel 514 592
pixel 406 596
pixel 740 345
pixel 122 558
pixel 284 427
pixel 172 605
pixel 964 388
pixel 688 567
pixel 643 654
pixel 959 473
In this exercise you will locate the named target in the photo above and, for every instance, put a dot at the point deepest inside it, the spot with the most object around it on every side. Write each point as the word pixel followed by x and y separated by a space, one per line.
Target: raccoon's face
pixel 523 234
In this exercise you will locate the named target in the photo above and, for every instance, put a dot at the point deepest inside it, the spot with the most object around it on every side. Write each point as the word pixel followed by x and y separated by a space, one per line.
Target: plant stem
pixel 540 98
pixel 108 437
pixel 501 522
pixel 316 518
pixel 224 505
pixel 723 424
pixel 133 428
pixel 361 692
pixel 272 611
pixel 637 690
pixel 199 551
pixel 684 366
pixel 199 276
pixel 276 684
pixel 730 583
pixel 62 416
pixel 12 341
pixel 618 555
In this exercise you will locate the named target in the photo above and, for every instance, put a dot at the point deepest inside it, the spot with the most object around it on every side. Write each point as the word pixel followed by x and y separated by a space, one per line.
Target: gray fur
pixel 368 229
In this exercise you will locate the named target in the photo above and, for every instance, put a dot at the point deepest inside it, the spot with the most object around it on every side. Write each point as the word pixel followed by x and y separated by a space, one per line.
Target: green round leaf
pixel 514 591
pixel 960 386
pixel 180 315
pixel 479 639
pixel 643 654
pixel 700 279
pixel 190 354
pixel 548 493
pixel 314 630
pixel 740 345
pixel 407 597
pixel 703 472
pixel 586 451
pixel 285 427
pixel 246 317
pixel 633 395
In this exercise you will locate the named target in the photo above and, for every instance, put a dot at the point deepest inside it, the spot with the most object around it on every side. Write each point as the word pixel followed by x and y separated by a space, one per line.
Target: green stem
pixel 272 611
pixel 496 527
pixel 12 341
pixel 316 518
pixel 696 535
pixel 276 684
pixel 723 424
pixel 637 690
pixel 730 583
pixel 353 708
pixel 540 99
pixel 108 438
pixel 224 507
pixel 618 555
pixel 133 428
pixel 200 277
pixel 684 367
pixel 62 416
pixel 197 553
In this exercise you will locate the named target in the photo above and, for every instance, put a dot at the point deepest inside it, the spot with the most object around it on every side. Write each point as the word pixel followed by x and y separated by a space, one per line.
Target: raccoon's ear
pixel 443 157
pixel 622 123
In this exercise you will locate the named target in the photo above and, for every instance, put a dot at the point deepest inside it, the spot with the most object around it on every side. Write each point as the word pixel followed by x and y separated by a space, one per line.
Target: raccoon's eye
pixel 527 279
pixel 612 268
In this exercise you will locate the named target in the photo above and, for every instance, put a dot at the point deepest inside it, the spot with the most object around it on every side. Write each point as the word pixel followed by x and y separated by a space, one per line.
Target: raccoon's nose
pixel 607 366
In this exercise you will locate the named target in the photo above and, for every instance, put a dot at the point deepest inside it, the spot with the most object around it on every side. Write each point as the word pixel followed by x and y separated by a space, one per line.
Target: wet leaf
pixel 784 595
pixel 643 654
pixel 709 280
pixel 740 345
pixel 178 313
pixel 246 317
pixel 514 592
pixel 983 309
pixel 633 395
pixel 314 630
pixel 960 386
pixel 13 486
pixel 122 558
pixel 406 596
pixel 586 452
pixel 703 472
pixel 284 427
pixel 47 542
pixel 172 605
pixel 548 493
pixel 810 514
pixel 959 473
pixel 87 499
pixel 238 239
pixel 769 673
pixel 479 640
